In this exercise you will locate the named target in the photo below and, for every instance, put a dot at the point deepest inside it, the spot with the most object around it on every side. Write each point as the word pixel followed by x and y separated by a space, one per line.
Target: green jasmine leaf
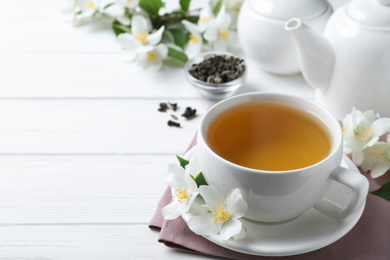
pixel 183 162
pixel 200 180
pixel 118 28
pixel 177 55
pixel 179 37
pixel 108 5
pixel 217 7
pixel 383 192
pixel 185 4
pixel 151 6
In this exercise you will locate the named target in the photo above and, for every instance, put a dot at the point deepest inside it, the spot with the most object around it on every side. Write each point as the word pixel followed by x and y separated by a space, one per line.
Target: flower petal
pixel 173 210
pixel 242 233
pixel 139 24
pixel 175 179
pixel 192 49
pixel 191 200
pixel 127 41
pixel 124 20
pixel 223 19
pixel 235 204
pixel 358 157
pixel 380 169
pixel 161 51
pixel 155 37
pixel 230 228
pixel 211 33
pixel 381 126
pixel 193 168
pixel 203 225
pixel 211 196
pixel 191 27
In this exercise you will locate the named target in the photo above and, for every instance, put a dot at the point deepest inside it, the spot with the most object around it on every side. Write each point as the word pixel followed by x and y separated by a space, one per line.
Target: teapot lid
pixel 370 12
pixel 285 9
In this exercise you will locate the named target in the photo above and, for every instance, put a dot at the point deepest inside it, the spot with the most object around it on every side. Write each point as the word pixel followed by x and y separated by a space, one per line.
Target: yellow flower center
pixel 141 37
pixel 90 5
pixel 377 154
pixel 220 214
pixel 193 38
pixel 365 132
pixel 181 194
pixel 225 34
pixel 206 19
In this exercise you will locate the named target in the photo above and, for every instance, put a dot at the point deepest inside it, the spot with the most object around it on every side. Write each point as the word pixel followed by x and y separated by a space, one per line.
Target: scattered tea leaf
pixel 173 106
pixel 163 107
pixel 383 192
pixel 183 162
pixel 174 117
pixel 173 123
pixel 189 113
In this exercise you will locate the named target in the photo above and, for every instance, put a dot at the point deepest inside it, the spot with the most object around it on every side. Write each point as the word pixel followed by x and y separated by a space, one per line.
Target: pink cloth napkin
pixel 369 239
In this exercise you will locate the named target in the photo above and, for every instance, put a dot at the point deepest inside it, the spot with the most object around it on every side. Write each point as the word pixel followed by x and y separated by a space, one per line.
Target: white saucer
pixel 308 232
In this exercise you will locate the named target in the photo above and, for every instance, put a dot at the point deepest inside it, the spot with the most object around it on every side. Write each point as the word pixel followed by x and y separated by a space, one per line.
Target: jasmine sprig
pixel 185 32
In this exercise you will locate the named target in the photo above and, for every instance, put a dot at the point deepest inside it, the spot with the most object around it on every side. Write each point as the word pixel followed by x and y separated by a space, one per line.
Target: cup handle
pixel 359 185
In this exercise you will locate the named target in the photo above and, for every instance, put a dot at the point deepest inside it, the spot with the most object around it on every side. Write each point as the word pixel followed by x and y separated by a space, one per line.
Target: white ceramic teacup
pixel 275 196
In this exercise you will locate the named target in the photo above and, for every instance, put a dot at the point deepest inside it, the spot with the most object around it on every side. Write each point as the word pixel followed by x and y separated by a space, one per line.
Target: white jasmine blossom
pixel 142 46
pixel 222 215
pixel 151 57
pixel 195 42
pixel 377 159
pixel 218 33
pixel 184 188
pixel 362 130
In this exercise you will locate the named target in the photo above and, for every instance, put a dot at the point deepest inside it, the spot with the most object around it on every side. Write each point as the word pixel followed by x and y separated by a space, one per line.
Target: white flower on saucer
pixel 222 215
pixel 217 32
pixel 195 42
pixel 85 10
pixel 118 10
pixel 362 130
pixel 184 188
pixel 151 57
pixel 377 159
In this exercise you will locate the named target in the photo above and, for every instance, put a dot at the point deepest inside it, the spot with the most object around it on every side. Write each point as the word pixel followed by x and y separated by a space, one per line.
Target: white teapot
pixel 263 38
pixel 350 64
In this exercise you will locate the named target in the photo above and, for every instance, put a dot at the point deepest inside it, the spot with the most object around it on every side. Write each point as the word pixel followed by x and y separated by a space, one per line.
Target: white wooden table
pixel 83 149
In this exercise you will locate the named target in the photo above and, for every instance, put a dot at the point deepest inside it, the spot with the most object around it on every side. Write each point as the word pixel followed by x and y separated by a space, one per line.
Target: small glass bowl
pixel 215 91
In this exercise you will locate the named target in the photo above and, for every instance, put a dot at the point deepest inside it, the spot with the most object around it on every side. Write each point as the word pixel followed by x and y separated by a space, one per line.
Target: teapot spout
pixel 316 55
